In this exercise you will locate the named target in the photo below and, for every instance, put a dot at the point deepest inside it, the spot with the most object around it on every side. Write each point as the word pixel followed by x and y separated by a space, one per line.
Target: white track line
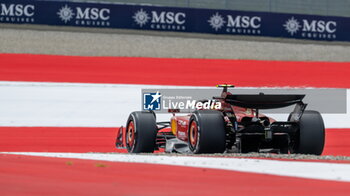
pixel 310 170
pixel 88 105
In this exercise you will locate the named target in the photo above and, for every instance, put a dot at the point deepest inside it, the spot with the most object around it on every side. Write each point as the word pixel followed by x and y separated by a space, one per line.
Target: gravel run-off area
pixel 94 42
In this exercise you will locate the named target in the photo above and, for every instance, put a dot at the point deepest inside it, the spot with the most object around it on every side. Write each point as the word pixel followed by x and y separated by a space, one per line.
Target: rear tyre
pixel 141 132
pixel 311 134
pixel 206 132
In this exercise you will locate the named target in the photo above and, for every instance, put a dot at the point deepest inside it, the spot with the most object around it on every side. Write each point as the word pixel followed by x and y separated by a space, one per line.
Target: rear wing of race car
pixel 263 101
pixel 269 101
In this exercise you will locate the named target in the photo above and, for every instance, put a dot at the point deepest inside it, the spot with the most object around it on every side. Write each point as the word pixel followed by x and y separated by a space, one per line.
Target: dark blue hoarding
pixel 103 15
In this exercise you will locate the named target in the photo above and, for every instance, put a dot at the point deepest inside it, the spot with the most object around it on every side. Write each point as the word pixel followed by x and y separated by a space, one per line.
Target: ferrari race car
pixel 235 127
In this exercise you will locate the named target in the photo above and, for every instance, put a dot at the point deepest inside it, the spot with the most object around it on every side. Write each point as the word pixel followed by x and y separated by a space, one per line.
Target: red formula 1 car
pixel 236 127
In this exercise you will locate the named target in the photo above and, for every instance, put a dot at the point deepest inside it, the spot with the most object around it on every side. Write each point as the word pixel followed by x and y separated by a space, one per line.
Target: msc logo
pixel 16 10
pixel 216 21
pixel 141 17
pixel 236 24
pixel 292 26
pixel 22 13
pixel 160 19
pixel 311 28
pixel 151 101
pixel 65 13
pixel 85 16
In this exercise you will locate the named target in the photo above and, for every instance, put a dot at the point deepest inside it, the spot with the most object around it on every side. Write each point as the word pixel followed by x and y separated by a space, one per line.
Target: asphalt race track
pixel 37 90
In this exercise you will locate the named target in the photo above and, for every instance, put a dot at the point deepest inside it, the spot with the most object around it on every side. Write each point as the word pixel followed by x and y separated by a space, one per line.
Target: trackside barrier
pixel 193 20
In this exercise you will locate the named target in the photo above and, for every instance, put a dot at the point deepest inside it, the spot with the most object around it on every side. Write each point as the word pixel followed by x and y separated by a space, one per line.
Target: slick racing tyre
pixel 312 133
pixel 141 132
pixel 206 133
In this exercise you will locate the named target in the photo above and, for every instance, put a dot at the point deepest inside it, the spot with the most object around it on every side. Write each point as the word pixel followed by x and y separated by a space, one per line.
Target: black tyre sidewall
pixel 312 133
pixel 145 132
pixel 211 131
